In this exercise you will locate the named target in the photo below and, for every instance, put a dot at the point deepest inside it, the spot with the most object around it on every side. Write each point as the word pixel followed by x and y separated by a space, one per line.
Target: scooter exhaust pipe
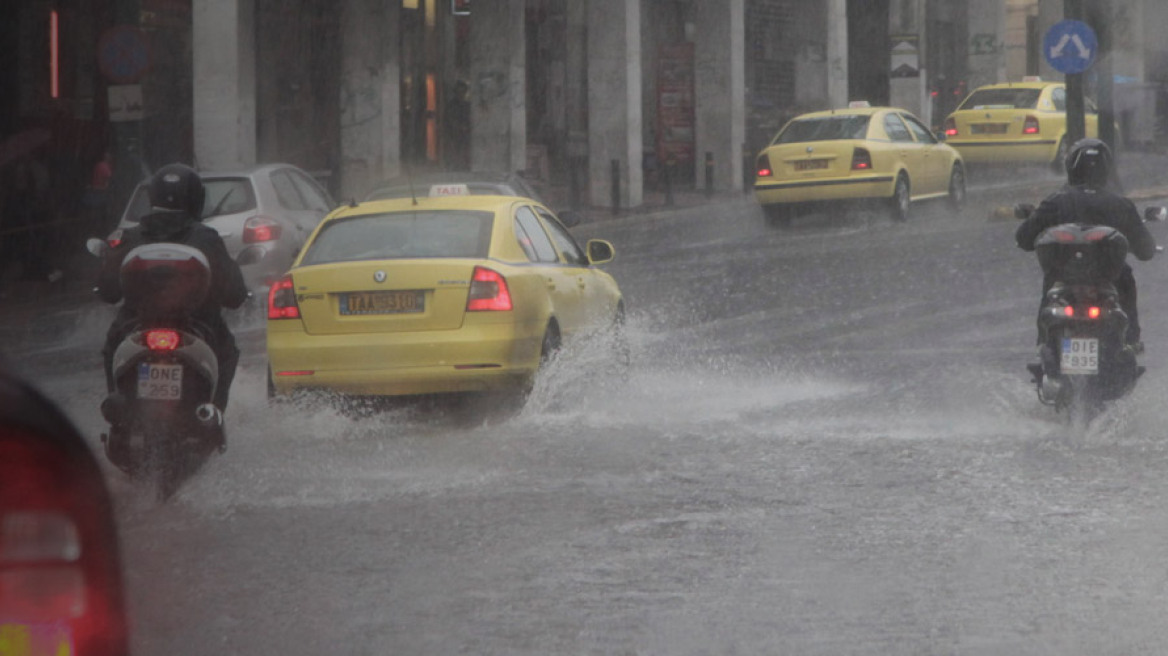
pixel 209 416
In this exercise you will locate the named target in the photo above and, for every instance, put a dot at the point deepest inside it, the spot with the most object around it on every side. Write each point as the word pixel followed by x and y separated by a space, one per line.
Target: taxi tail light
pixel 764 167
pixel 60 587
pixel 115 238
pixel 162 340
pixel 1030 126
pixel 261 228
pixel 488 291
pixel 282 300
pixel 950 127
pixel 861 160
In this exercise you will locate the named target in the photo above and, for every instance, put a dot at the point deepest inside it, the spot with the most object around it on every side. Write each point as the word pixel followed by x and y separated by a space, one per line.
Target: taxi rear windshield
pixel 824 128
pixel 403 235
pixel 1002 99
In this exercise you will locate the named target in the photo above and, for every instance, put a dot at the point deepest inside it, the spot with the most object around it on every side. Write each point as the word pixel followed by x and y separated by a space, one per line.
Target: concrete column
pixel 989 35
pixel 837 53
pixel 370 95
pixel 498 86
pixel 224 62
pixel 720 89
pixel 614 101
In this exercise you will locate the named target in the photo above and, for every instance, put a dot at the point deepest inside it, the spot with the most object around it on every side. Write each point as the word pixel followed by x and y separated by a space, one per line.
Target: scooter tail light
pixel 1093 312
pixel 163 340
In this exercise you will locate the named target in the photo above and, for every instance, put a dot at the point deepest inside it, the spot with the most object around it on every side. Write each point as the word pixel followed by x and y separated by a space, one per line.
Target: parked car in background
pixel 1016 123
pixel 451 294
pixel 465 183
pixel 263 214
pixel 856 154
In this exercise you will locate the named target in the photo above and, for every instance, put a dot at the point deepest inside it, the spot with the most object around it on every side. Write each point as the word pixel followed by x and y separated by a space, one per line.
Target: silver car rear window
pixel 228 196
pixel 403 235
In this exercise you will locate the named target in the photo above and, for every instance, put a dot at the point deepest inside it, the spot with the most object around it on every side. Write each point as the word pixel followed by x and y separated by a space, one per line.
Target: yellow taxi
pixel 858 153
pixel 447 294
pixel 1015 123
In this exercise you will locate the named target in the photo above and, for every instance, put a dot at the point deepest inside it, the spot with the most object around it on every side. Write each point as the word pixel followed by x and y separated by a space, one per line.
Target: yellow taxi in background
pixel 435 295
pixel 858 153
pixel 1015 123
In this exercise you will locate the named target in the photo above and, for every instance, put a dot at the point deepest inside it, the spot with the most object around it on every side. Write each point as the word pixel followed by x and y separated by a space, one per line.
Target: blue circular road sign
pixel 1070 46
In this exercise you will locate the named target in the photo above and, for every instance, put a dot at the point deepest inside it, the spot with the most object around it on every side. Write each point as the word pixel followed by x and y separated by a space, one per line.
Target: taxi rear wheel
pixel 957 188
pixel 898 204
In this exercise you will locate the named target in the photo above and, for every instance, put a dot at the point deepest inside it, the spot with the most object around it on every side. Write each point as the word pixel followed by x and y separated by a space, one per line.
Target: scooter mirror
pixel 1156 213
pixel 98 247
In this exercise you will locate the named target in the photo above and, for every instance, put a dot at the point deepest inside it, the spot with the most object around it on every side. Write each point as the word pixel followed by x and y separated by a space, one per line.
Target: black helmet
pixel 177 188
pixel 1089 163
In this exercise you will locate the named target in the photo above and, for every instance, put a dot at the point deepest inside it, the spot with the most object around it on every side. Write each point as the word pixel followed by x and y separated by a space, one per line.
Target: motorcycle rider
pixel 176 197
pixel 1086 200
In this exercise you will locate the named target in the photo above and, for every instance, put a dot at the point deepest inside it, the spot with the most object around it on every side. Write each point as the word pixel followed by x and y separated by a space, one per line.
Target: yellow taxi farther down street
pixel 1015 123
pixel 859 153
pixel 435 295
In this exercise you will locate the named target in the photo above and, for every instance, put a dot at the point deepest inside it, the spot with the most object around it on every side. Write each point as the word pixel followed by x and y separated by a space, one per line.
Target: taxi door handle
pixel 580 283
pixel 551 284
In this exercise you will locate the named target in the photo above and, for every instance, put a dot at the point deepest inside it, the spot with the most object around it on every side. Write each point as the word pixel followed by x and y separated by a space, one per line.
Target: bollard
pixel 668 179
pixel 709 173
pixel 747 172
pixel 615 186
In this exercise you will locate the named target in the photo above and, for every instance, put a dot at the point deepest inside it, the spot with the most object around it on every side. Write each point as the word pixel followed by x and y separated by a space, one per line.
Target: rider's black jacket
pixel 1084 205
pixel 227 286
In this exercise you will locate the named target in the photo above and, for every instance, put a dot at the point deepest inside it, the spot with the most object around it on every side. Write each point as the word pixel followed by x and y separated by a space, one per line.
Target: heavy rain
pixel 812 430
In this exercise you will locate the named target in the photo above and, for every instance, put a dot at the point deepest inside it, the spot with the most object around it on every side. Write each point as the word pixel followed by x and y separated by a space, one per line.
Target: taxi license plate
pixel 382 302
pixel 1080 355
pixel 810 164
pixel 989 128
pixel 160 382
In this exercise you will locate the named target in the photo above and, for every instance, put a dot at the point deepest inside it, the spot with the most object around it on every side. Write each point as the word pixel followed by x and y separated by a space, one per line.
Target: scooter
pixel 163 424
pixel 1084 358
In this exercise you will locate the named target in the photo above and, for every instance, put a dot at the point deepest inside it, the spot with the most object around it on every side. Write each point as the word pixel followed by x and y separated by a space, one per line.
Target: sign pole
pixel 1076 123
pixel 1100 17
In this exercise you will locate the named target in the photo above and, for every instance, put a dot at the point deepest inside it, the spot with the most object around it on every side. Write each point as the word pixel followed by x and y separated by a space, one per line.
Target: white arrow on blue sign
pixel 1070 46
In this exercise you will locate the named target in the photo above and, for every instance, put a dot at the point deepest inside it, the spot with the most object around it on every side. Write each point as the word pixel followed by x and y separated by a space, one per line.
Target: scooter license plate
pixel 1080 355
pixel 160 382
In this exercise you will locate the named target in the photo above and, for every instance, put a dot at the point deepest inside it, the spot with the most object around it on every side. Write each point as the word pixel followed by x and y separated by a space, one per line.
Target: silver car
pixel 263 214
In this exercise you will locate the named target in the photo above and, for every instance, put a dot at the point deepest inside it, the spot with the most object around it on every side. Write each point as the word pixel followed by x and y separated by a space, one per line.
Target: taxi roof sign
pixel 449 190
pixel 859 104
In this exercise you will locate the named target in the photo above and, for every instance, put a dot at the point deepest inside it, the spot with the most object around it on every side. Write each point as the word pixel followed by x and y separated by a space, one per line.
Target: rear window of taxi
pixel 824 128
pixel 402 235
pixel 1002 99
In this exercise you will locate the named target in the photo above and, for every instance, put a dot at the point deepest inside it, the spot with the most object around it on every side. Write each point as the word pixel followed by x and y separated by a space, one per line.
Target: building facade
pixel 609 98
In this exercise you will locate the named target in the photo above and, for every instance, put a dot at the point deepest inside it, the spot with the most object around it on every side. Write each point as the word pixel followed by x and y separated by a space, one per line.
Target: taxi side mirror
pixel 600 251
